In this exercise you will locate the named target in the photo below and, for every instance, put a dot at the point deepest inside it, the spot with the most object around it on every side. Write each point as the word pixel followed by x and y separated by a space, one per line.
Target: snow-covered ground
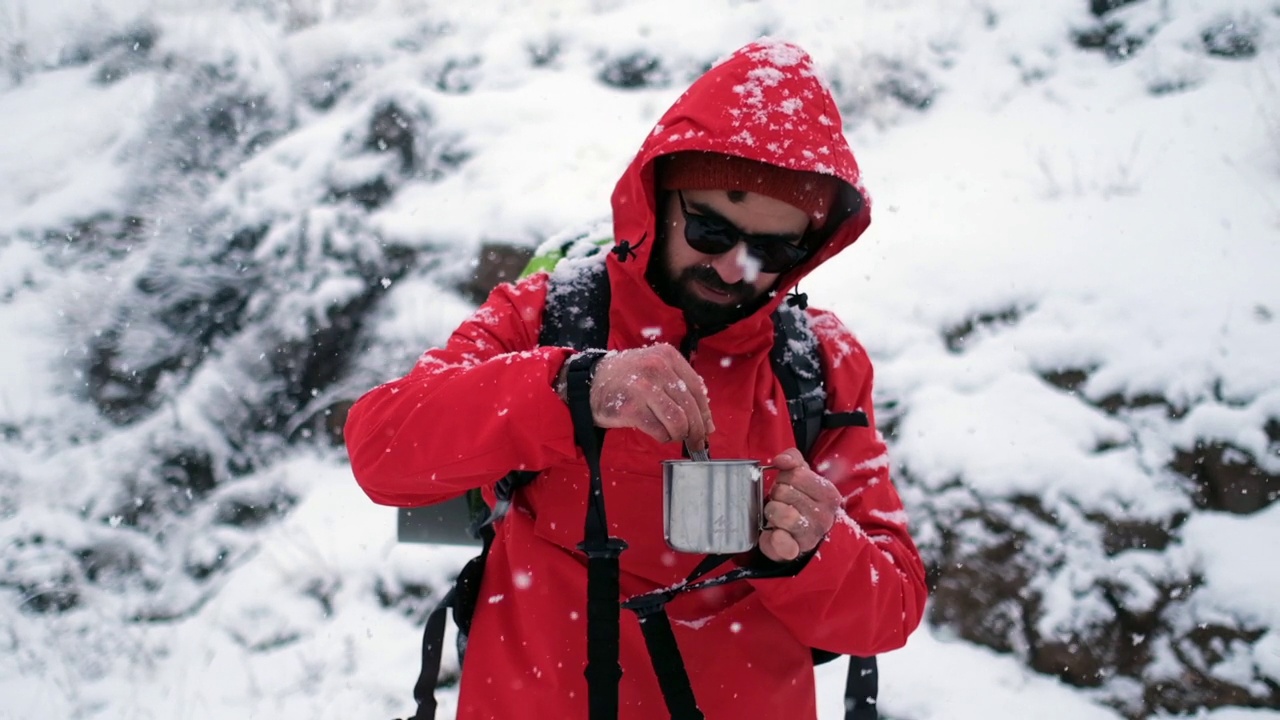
pixel 1068 289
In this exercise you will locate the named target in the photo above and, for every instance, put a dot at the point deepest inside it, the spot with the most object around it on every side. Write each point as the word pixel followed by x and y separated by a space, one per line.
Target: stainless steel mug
pixel 712 506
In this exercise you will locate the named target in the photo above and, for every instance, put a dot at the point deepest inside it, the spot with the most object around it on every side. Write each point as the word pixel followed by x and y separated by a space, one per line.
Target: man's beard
pixel 678 292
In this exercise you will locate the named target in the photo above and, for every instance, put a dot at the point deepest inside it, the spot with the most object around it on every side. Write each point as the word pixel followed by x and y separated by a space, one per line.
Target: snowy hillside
pixel 220 222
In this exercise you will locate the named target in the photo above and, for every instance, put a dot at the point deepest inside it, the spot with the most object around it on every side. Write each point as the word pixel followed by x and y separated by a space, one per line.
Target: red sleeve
pixel 864 590
pixel 467 413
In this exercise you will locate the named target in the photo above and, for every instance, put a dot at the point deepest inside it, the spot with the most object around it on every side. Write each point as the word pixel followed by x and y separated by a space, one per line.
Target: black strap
pixel 664 653
pixel 668 665
pixel 856 418
pixel 861 688
pixel 461 599
pixel 424 691
pixel 799 372
pixel 603 671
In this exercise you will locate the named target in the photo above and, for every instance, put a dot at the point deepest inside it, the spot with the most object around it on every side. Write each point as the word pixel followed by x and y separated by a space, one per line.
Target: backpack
pixel 576 316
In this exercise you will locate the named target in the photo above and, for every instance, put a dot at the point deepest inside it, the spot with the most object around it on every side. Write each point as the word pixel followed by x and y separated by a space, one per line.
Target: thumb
pixel 789 459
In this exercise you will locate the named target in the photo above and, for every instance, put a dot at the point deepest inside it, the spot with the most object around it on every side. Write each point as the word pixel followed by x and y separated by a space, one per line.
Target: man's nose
pixel 732 266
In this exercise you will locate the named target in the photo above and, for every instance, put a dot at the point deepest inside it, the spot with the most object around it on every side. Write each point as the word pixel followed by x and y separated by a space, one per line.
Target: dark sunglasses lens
pixel 714 236
pixel 777 257
pixel 707 235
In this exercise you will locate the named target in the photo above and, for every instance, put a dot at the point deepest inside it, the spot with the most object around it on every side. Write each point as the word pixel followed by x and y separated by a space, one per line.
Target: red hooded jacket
pixel 484 404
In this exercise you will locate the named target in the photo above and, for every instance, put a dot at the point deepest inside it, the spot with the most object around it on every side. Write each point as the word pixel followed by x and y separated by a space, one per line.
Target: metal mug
pixel 712 506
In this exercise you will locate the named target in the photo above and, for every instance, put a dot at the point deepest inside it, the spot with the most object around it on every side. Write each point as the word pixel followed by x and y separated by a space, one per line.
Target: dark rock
pixel 335 419
pixel 370 195
pixel 43 572
pixel 254 508
pixel 168 331
pixel 97 239
pixel 321 91
pixel 392 130
pixel 1084 659
pixel 326 424
pixel 1122 534
pixel 1226 478
pixel 1067 379
pixel 979 584
pixel 237 253
pixel 1172 85
pixel 122 393
pixel 1102 7
pixel 183 306
pixel 108 563
pixel 1233 39
pixel 413 600
pixel 127 54
pixel 498 263
pixel 1198 652
pixel 458 76
pixel 1114 39
pixel 303 368
pixel 545 52
pixel 210 311
pixel 190 473
pixel 1116 403
pixel 207 128
pixel 908 85
pixel 637 70
pixel 956 336
pixel 205 566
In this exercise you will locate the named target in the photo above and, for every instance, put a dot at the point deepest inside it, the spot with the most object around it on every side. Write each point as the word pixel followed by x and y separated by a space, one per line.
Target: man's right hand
pixel 652 389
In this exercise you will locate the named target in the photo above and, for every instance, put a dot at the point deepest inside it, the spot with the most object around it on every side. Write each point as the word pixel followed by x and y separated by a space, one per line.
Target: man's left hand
pixel 800 509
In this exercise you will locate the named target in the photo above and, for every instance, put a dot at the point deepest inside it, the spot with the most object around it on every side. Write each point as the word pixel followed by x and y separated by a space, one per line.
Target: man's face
pixel 715 289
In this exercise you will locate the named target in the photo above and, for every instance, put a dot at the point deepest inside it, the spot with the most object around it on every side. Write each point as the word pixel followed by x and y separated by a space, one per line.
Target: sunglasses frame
pixel 714 235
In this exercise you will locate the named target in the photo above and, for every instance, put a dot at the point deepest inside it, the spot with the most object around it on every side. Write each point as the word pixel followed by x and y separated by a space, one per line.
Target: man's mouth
pixel 706 284
pixel 713 293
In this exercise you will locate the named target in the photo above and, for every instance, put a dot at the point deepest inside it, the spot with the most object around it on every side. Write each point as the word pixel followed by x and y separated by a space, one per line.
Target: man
pixel 745 186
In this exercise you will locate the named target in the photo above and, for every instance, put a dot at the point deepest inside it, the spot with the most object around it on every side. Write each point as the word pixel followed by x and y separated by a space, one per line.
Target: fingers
pixel 802 504
pixel 694 391
pixel 692 420
pixel 785 522
pixel 654 390
pixel 779 546
pixel 797 474
pixel 662 417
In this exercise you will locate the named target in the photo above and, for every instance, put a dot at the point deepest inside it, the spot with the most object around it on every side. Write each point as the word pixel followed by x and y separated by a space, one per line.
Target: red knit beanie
pixel 812 192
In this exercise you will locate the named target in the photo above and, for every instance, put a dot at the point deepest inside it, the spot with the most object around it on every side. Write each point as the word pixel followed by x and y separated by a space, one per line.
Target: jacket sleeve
pixel 467 413
pixel 863 592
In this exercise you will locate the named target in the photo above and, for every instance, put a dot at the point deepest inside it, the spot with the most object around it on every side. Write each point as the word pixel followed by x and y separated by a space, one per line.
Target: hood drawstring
pixel 798 300
pixel 625 251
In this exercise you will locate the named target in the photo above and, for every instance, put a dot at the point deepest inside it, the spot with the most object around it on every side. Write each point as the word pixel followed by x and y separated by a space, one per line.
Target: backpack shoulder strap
pixel 797 363
pixel 797 366
pixel 576 314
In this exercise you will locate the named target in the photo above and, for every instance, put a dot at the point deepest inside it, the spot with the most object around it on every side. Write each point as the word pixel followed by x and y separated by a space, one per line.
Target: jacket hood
pixel 765 102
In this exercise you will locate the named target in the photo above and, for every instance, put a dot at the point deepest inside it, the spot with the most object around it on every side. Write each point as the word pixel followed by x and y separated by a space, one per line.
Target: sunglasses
pixel 712 235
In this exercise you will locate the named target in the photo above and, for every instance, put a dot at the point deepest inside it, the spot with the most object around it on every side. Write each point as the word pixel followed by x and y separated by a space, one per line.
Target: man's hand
pixel 800 509
pixel 656 391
